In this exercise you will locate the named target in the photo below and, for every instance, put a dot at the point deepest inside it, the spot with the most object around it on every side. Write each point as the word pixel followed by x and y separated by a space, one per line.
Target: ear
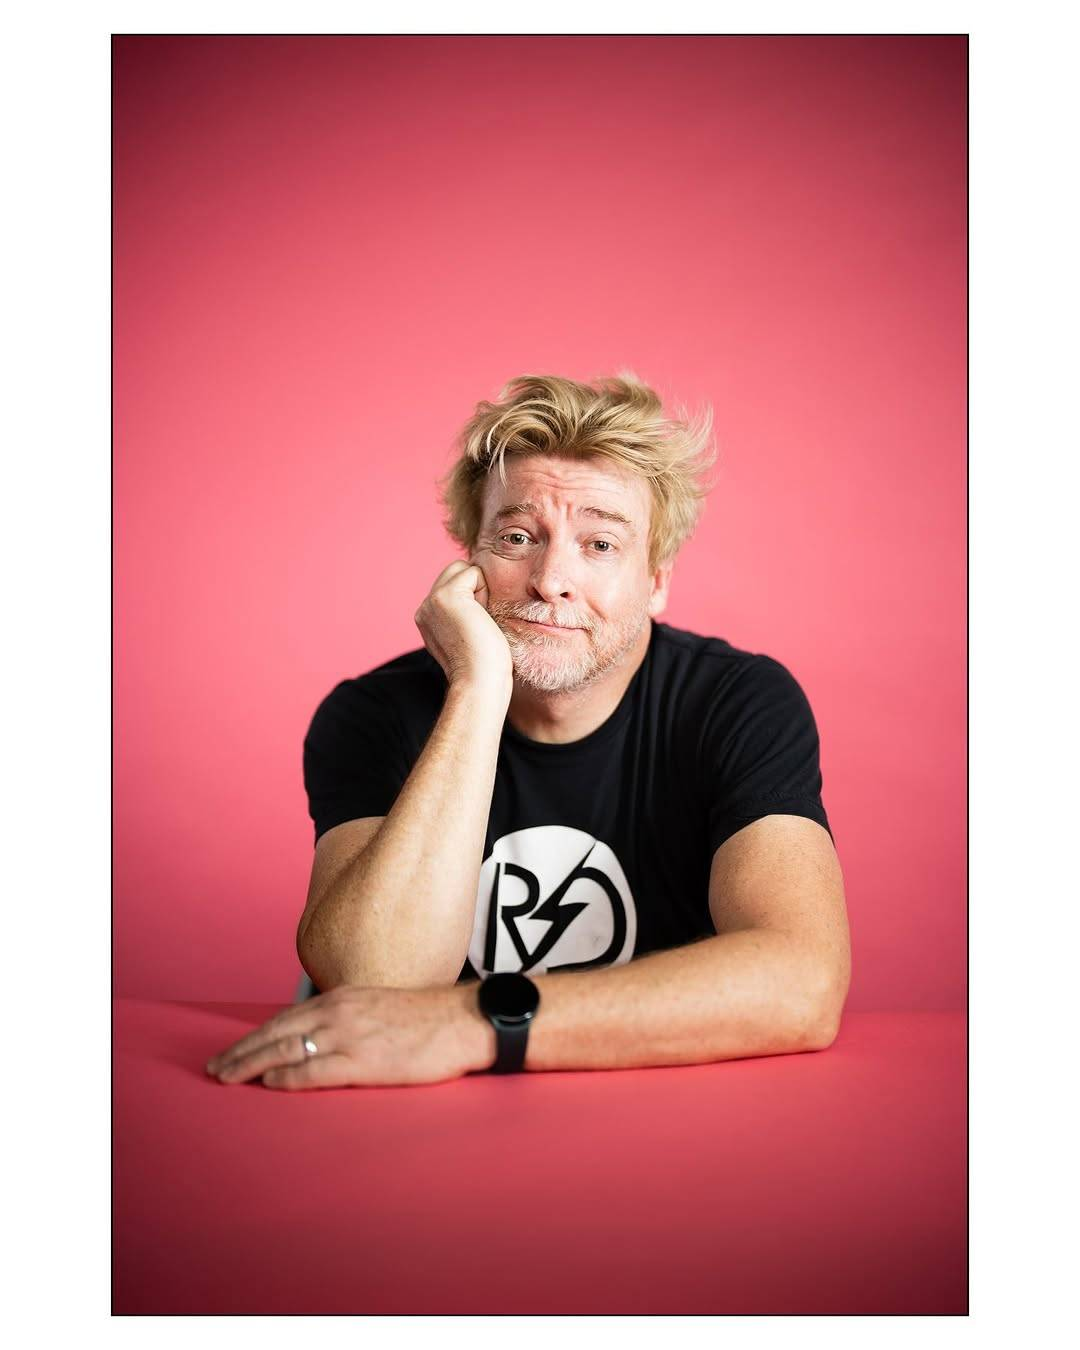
pixel 661 582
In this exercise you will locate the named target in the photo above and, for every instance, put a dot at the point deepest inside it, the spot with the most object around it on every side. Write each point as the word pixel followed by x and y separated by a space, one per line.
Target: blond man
pixel 562 834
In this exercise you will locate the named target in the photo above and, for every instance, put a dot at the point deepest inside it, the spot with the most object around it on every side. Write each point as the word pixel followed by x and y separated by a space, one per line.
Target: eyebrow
pixel 531 509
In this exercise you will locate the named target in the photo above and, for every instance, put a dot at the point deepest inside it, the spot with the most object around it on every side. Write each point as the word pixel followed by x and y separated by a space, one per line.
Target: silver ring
pixel 310 1048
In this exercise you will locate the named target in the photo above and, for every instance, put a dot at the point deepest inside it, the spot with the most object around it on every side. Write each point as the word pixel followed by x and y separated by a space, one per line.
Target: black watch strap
pixel 509 1000
pixel 511 1041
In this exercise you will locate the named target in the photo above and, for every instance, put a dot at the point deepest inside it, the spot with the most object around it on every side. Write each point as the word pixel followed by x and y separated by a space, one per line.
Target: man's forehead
pixel 585 489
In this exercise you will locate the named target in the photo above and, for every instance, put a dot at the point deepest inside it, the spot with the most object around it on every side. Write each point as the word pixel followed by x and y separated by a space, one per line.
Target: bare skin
pixel 361 924
pixel 460 634
pixel 560 565
pixel 771 983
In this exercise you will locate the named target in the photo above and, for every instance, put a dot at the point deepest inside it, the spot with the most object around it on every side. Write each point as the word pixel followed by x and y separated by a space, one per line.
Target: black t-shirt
pixel 597 850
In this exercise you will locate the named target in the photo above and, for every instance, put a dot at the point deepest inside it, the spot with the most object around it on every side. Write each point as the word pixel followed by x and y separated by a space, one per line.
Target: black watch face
pixel 509 995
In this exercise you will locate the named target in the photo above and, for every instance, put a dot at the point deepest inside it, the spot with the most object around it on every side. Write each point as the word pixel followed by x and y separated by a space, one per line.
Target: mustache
pixel 535 616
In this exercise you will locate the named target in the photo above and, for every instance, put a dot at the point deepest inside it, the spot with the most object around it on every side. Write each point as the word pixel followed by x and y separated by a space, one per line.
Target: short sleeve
pixel 760 752
pixel 355 761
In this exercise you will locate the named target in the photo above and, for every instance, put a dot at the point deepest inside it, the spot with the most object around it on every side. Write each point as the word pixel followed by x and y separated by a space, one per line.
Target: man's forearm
pixel 753 992
pixel 402 911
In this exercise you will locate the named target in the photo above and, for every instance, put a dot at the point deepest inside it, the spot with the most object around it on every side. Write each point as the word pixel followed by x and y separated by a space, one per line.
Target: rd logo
pixel 551 898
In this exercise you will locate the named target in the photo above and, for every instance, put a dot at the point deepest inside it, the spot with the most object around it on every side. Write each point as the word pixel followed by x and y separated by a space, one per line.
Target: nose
pixel 551 579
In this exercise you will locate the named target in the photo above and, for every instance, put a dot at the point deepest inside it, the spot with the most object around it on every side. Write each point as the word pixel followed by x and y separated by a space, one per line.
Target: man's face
pixel 550 556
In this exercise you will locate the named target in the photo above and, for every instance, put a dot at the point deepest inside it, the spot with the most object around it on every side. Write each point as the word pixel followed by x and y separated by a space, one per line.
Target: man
pixel 562 834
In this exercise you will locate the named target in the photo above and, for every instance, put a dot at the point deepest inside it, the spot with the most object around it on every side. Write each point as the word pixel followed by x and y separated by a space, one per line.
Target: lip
pixel 549 627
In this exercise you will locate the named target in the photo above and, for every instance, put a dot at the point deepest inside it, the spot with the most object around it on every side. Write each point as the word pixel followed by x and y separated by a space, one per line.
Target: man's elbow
pixel 824 1031
pixel 321 962
pixel 328 969
pixel 322 974
pixel 820 1009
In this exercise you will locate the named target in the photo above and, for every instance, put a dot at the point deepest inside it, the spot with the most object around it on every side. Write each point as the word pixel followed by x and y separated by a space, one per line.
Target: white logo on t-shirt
pixel 551 898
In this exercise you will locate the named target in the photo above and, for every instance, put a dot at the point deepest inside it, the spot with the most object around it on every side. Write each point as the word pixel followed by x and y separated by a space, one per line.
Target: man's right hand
pixel 460 633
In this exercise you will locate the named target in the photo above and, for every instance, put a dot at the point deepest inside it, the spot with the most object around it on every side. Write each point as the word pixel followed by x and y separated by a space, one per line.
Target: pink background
pixel 326 250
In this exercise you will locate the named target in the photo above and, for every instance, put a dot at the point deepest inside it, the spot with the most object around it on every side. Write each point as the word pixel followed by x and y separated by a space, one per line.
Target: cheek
pixel 503 573
pixel 610 592
pixel 619 603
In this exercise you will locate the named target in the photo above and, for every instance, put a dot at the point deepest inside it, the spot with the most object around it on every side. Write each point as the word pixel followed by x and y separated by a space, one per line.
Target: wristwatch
pixel 509 1000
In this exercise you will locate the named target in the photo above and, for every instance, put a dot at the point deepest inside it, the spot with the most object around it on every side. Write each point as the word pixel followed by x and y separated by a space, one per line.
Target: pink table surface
pixel 833 1182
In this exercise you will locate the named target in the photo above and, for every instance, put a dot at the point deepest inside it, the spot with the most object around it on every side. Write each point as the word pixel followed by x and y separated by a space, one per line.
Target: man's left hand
pixel 365 1036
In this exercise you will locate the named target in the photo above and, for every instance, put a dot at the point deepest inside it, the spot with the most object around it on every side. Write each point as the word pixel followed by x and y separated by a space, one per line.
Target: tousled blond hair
pixel 618 418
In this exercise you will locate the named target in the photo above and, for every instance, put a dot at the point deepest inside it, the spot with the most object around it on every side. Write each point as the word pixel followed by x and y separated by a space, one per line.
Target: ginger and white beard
pixel 552 664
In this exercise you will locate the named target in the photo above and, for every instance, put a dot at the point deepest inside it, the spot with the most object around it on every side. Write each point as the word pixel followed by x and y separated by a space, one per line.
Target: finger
pixel 469 575
pixel 283 1037
pixel 451 569
pixel 333 1070
pixel 479 584
pixel 296 1017
pixel 286 1050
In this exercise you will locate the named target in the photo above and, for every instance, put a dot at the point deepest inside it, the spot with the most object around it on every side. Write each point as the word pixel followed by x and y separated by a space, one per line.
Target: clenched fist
pixel 460 633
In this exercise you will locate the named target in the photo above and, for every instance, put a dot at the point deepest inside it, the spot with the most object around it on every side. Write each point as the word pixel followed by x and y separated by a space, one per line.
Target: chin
pixel 549 672
pixel 551 682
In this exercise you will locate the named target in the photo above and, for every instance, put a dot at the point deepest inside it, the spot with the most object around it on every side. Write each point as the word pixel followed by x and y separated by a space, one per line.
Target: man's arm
pixel 401 911
pixel 773 980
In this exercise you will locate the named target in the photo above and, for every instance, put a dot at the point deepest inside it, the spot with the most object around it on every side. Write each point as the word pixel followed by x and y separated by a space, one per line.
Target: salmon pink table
pixel 829 1182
